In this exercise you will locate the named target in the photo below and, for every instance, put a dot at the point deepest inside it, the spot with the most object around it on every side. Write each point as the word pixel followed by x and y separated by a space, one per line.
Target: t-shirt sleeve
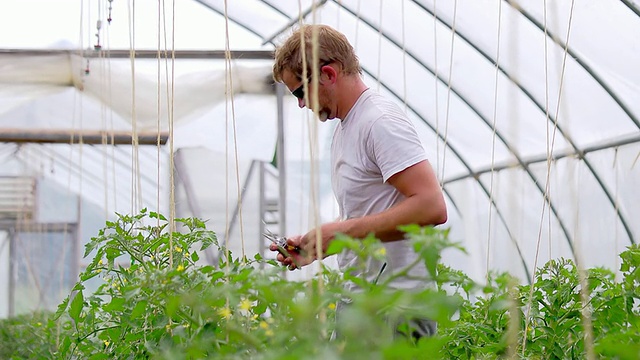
pixel 394 145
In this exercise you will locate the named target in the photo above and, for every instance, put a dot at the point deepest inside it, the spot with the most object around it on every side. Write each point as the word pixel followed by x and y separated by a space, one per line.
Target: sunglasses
pixel 299 91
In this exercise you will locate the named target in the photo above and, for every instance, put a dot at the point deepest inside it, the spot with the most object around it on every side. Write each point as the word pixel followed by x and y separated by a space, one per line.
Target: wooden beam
pixel 94 137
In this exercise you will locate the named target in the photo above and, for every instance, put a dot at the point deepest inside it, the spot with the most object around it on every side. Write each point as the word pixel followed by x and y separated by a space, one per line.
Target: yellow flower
pixel 178 249
pixel 245 304
pixel 332 306
pixel 381 251
pixel 100 262
pixel 180 268
pixel 268 333
pixel 225 312
pixel 264 325
pixel 106 343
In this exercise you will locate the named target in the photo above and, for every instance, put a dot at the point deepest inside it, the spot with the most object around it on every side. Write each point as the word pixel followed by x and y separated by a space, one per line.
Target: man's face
pixel 296 86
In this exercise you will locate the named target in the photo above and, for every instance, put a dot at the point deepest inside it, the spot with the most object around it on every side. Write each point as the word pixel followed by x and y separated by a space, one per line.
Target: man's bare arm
pixel 423 205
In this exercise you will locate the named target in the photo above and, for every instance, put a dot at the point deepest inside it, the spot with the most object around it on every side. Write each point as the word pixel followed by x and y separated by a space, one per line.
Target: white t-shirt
pixel 372 143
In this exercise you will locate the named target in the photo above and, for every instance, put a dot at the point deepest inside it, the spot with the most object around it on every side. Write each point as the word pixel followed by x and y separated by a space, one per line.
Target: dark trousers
pixel 415 328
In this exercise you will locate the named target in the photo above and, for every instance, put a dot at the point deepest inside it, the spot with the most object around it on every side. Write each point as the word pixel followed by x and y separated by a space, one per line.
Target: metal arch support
pixel 274 8
pixel 609 91
pixel 579 60
pixel 552 118
pixel 631 6
pixel 555 156
pixel 270 39
pixel 239 23
pixel 466 165
pixel 292 21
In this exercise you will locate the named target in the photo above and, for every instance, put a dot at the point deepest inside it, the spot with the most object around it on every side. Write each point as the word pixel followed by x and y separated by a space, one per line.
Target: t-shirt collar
pixel 361 98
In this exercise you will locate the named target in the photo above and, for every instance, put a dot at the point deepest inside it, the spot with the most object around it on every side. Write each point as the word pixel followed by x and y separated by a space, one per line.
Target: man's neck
pixel 350 92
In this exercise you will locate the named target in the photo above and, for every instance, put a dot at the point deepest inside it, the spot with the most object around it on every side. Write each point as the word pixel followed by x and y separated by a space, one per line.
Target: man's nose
pixel 301 103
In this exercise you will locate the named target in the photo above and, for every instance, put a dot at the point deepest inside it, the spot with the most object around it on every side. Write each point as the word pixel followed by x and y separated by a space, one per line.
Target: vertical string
pixel 493 138
pixel 379 45
pixel 439 172
pixel 616 173
pixel 449 81
pixel 229 94
pixel 172 195
pixel 586 315
pixel 135 203
pixel 158 101
pixel 404 57
pixel 546 191
pixel 313 145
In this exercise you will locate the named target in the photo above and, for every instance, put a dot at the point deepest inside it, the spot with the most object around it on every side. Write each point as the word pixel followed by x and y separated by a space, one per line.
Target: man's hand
pixel 309 245
pixel 291 258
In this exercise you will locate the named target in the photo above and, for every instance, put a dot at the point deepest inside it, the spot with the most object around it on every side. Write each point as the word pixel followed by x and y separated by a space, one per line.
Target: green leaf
pixel 66 342
pixel 116 304
pixel 155 215
pixel 337 246
pixel 139 309
pixel 173 304
pixel 86 276
pixel 61 308
pixel 76 307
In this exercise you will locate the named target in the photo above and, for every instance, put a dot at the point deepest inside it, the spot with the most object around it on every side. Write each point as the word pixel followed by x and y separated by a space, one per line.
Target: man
pixel 380 175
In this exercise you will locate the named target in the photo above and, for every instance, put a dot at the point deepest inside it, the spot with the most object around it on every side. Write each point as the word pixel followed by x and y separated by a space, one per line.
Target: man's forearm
pixel 412 210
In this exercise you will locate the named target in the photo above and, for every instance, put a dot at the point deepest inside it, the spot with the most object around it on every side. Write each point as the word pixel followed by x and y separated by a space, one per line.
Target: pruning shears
pixel 281 242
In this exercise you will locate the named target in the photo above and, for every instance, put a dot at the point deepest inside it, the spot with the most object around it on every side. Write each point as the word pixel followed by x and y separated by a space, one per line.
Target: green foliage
pixel 29 336
pixel 154 300
pixel 550 319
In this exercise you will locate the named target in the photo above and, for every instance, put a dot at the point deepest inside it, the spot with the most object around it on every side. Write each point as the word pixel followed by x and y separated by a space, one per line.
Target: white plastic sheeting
pixel 529 115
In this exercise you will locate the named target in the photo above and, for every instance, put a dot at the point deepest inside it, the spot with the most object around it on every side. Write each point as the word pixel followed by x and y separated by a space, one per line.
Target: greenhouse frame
pixel 528 111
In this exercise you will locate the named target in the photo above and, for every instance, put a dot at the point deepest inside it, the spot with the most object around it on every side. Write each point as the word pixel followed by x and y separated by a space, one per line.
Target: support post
pixel 280 155
pixel 12 272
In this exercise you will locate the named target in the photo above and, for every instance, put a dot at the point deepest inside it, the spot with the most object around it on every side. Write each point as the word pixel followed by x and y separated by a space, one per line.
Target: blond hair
pixel 333 46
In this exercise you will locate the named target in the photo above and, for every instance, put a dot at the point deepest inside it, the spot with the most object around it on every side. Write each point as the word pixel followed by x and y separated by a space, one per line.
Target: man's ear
pixel 329 73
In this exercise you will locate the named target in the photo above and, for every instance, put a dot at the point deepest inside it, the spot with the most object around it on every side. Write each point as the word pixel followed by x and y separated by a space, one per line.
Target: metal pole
pixel 75 136
pixel 144 54
pixel 76 244
pixel 261 225
pixel 12 272
pixel 280 156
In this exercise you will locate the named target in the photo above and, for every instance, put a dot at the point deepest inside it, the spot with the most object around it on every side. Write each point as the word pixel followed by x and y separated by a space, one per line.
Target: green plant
pixel 28 336
pixel 154 300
